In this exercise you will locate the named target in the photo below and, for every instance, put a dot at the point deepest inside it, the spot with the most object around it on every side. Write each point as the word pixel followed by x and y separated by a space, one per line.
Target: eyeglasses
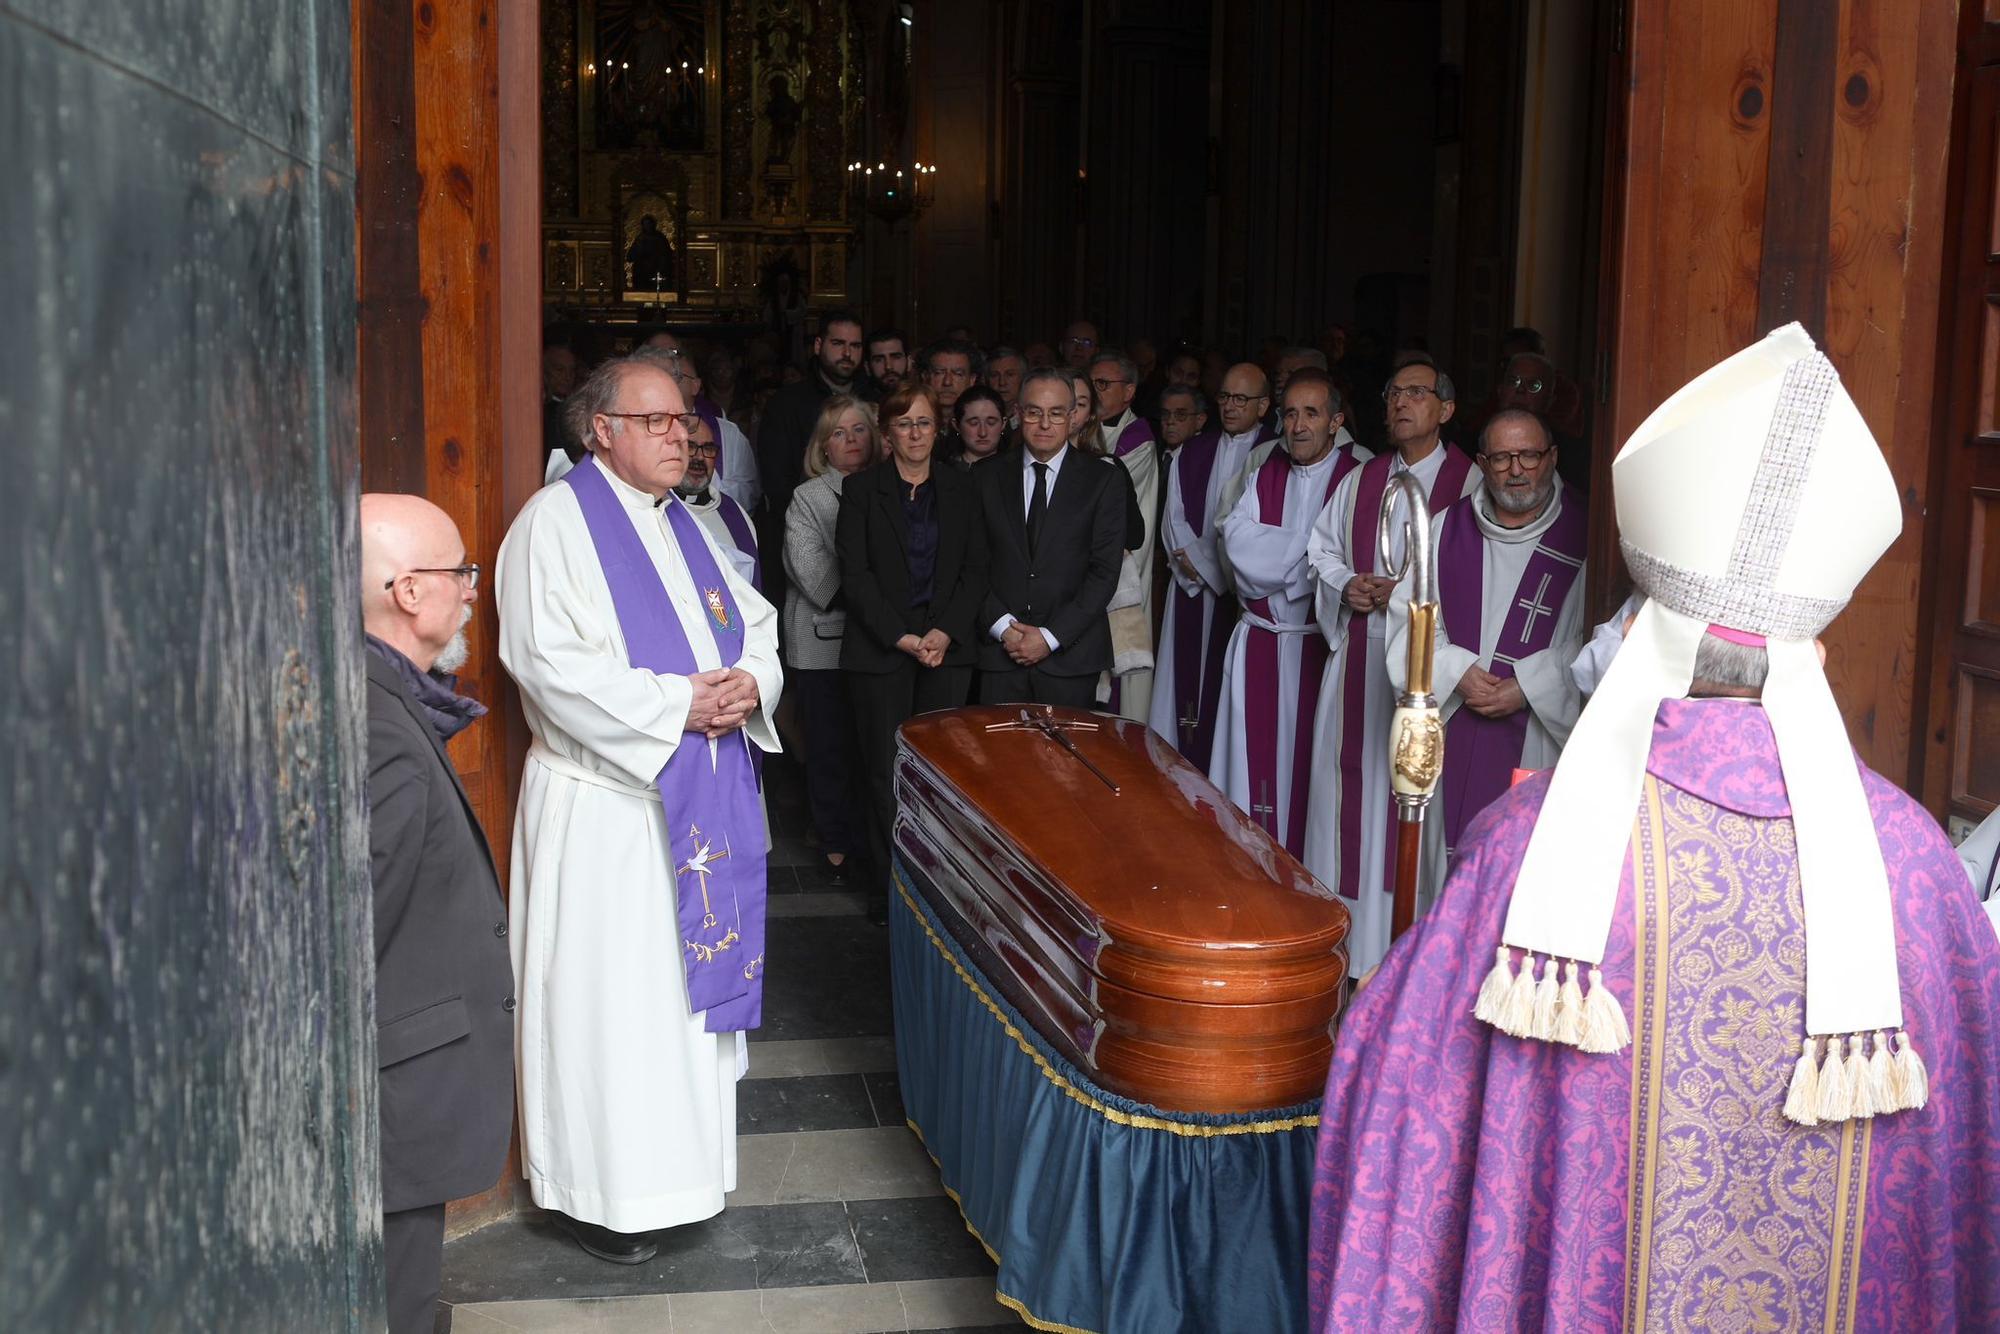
pixel 659 423
pixel 708 451
pixel 1079 342
pixel 1037 416
pixel 1416 393
pixel 1529 459
pixel 911 425
pixel 1106 386
pixel 469 573
pixel 1238 400
pixel 1518 382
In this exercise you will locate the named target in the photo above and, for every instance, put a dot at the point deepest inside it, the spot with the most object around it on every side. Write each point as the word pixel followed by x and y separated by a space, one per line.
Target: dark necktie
pixel 1038 505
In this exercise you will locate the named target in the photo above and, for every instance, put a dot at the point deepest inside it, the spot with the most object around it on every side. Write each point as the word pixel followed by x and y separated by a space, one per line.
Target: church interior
pixel 276 256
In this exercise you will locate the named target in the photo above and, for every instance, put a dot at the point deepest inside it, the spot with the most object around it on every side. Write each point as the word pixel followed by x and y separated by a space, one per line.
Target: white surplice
pixel 709 514
pixel 737 467
pixel 1135 688
pixel 1203 553
pixel 1330 549
pixel 628 1106
pixel 1268 561
pixel 1553 701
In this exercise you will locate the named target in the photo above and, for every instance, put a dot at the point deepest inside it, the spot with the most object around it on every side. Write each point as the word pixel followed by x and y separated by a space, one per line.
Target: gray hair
pixel 1195 397
pixel 1312 356
pixel 1446 391
pixel 598 392
pixel 1046 375
pixel 1730 666
pixel 1126 366
pixel 1001 352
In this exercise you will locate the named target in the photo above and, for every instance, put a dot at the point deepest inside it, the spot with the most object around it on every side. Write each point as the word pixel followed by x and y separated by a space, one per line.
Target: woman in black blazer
pixel 913 569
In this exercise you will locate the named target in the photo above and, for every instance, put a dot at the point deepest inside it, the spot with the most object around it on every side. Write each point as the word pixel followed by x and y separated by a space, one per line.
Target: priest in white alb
pixel 1510 565
pixel 1348 841
pixel 1128 438
pixel 1272 669
pixel 648 670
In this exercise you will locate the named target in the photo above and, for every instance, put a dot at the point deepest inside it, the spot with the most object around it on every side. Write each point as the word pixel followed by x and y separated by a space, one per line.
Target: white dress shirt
pixel 1028 478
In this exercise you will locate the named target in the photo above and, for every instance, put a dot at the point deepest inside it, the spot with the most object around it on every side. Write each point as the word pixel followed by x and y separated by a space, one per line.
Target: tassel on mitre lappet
pixel 1750 504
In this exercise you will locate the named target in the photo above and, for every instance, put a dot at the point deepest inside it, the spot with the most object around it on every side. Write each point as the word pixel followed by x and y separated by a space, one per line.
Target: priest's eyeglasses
pixel 1238 400
pixel 468 572
pixel 1504 461
pixel 658 423
pixel 1416 393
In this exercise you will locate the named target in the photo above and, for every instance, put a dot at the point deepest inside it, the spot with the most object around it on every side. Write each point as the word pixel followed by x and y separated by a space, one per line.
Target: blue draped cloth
pixel 1103 1214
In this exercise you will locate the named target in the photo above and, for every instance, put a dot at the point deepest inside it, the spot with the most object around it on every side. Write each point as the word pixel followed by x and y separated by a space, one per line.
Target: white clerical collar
pixel 1482 513
pixel 1319 464
pixel 1424 468
pixel 1235 437
pixel 700 501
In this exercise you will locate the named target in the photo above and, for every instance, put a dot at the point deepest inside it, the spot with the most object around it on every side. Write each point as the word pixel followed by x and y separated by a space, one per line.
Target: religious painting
pixel 655 74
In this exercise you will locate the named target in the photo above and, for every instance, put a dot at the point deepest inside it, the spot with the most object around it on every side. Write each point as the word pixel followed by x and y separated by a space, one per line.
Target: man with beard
pixel 715 509
pixel 1271 670
pixel 787 426
pixel 1348 830
pixel 444 986
pixel 888 360
pixel 1510 567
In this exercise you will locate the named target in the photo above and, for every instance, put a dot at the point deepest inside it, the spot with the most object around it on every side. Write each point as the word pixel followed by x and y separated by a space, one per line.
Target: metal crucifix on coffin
pixel 1056 729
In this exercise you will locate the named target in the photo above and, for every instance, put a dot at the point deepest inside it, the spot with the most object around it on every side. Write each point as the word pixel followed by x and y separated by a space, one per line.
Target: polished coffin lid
pixel 1155 936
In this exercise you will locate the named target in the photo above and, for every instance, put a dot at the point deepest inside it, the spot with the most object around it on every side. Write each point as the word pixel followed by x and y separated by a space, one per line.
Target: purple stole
pixel 1198 667
pixel 1137 432
pixel 1368 492
pixel 1482 753
pixel 718 862
pixel 738 524
pixel 1260 662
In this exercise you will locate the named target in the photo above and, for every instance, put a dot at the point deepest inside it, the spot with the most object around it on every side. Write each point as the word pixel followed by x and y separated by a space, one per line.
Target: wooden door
pixel 1961 767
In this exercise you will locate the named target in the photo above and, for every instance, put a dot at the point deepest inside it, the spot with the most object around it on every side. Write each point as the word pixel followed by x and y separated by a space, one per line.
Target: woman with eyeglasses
pixel 913 569
pixel 843 442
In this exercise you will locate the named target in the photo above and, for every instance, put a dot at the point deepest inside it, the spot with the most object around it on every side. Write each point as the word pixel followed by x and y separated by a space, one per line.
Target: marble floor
pixel 838 1224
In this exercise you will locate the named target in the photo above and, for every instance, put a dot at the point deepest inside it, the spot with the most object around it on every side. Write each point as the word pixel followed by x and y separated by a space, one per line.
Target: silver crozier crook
pixel 1416 732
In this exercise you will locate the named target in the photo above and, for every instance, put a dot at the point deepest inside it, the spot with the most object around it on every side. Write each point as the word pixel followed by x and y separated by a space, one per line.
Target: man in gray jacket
pixel 444 985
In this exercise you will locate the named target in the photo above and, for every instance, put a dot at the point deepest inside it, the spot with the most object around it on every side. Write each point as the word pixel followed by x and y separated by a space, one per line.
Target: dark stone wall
pixel 186 1101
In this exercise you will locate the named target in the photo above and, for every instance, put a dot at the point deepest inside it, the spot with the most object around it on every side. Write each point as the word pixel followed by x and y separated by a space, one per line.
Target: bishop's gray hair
pixel 597 393
pixel 1446 391
pixel 1196 399
pixel 1730 666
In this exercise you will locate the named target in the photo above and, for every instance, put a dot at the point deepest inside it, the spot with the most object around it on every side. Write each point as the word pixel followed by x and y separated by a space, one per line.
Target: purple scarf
pixel 715 826
pixel 1198 665
pixel 1482 753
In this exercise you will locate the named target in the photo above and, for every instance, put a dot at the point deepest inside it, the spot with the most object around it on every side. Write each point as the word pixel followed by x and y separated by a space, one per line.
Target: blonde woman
pixel 843 440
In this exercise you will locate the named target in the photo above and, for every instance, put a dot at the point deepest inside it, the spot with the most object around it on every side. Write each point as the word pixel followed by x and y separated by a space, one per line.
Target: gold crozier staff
pixel 1416 731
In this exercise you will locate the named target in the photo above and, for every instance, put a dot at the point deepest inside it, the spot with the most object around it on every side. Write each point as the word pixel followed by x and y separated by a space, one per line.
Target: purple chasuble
pixel 1198 665
pixel 1474 1181
pixel 1482 753
pixel 1446 491
pixel 1260 664
pixel 1137 432
pixel 740 532
pixel 715 823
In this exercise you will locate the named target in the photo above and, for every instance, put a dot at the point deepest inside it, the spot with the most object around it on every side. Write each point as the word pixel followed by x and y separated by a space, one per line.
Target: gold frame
pixel 586 80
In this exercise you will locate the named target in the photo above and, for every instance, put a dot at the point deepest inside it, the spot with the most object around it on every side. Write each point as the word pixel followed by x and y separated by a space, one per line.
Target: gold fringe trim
pixel 1014 1304
pixel 1049 1072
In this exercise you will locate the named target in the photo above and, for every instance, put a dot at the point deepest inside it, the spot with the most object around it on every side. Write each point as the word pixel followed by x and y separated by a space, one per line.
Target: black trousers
pixel 833 761
pixel 413 1256
pixel 882 702
pixel 1032 685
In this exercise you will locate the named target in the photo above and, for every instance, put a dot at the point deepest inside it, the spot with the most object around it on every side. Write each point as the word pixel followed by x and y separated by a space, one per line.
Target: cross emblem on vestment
pixel 701 862
pixel 1264 807
pixel 1535 609
pixel 1189 726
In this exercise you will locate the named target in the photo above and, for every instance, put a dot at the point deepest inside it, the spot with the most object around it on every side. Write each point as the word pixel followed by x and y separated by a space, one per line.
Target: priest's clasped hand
pixel 1368 592
pixel 723 701
pixel 1490 696
pixel 1025 644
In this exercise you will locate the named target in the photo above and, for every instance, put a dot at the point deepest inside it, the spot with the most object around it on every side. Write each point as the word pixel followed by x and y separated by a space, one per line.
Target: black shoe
pixel 619 1248
pixel 834 873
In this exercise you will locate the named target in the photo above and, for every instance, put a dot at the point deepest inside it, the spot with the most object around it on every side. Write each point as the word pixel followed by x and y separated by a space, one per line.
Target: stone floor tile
pixel 600 1315
pixel 826 903
pixel 947 1303
pixel 818 1165
pixel 803 1102
pixel 915 1239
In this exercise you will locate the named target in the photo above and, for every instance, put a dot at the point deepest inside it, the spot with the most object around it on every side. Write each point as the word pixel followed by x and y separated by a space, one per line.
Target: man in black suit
pixel 1055 534
pixel 444 984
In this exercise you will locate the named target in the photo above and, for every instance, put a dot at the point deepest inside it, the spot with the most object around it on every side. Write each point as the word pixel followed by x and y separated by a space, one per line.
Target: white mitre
pixel 1750 504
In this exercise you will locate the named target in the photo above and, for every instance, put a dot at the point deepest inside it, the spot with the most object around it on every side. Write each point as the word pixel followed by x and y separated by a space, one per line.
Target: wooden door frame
pixel 1942 597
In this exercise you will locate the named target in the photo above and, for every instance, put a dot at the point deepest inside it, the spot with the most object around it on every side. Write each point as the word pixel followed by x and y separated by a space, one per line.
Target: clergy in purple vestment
pixel 648 672
pixel 715 509
pixel 1704 1030
pixel 1200 609
pixel 1510 574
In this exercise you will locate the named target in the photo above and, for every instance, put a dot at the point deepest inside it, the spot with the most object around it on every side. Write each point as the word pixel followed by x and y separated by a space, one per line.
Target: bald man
pixel 444 986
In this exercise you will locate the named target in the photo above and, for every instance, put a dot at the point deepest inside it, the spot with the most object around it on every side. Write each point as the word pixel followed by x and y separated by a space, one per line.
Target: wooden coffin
pixel 1154 936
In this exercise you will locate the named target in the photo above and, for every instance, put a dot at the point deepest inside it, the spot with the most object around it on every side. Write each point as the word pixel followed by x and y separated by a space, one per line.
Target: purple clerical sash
pixel 1198 665
pixel 1137 432
pixel 715 825
pixel 1374 482
pixel 740 532
pixel 1260 664
pixel 1481 754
